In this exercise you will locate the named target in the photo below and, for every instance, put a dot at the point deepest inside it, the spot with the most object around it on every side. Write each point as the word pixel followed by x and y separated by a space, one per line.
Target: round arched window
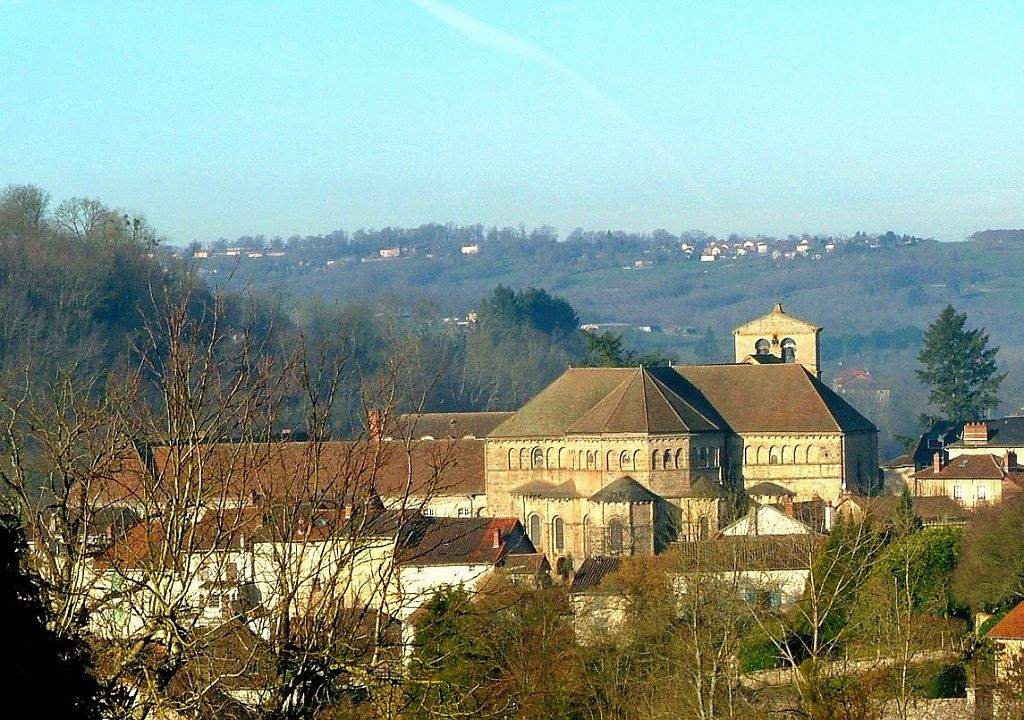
pixel 789 350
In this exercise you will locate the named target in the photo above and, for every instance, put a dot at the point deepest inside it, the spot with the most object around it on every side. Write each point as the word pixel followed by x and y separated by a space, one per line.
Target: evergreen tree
pixel 50 672
pixel 959 368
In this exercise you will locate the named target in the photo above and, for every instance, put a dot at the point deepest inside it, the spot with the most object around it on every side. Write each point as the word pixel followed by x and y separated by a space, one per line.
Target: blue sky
pixel 302 117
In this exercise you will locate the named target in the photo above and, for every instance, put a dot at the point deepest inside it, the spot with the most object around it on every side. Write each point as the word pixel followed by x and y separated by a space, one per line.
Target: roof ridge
pixel 689 404
pixel 809 379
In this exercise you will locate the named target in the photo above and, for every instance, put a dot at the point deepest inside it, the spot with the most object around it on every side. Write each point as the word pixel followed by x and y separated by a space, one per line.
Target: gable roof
pixel 592 573
pixel 1002 433
pixel 442 425
pixel 462 541
pixel 773 398
pixel 770 489
pixel 589 401
pixel 285 470
pixel 1011 627
pixel 624 490
pixel 966 467
pixel 756 521
pixel 776 319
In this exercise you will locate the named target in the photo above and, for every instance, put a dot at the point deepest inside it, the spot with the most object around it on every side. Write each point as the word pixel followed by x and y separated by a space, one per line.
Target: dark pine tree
pixel 959 368
pixel 48 672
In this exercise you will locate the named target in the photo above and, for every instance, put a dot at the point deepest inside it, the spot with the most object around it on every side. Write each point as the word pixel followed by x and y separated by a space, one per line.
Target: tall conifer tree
pixel 959 368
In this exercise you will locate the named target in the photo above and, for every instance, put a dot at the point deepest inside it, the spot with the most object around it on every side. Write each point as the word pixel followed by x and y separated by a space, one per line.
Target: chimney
pixel 1009 461
pixel 975 433
pixel 830 513
pixel 375 425
pixel 346 512
pixel 497 538
pixel 937 463
pixel 788 507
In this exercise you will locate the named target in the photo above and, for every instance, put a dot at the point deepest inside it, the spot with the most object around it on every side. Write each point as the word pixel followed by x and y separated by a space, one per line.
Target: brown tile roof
pixel 533 564
pixel 683 399
pixel 769 488
pixel 462 541
pixel 624 490
pixel 1011 627
pixel 746 553
pixel 282 470
pixel 451 425
pixel 773 398
pixel 900 461
pixel 592 573
pixel 644 403
pixel 966 467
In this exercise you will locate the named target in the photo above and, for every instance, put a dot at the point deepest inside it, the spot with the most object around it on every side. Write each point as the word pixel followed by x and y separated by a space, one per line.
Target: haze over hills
pixel 873 294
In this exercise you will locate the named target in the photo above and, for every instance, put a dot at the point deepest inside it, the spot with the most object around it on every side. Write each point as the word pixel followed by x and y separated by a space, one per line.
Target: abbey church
pixel 609 461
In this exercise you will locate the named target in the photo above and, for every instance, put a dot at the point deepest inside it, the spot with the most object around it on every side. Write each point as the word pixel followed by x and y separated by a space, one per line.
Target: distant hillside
pixel 999 235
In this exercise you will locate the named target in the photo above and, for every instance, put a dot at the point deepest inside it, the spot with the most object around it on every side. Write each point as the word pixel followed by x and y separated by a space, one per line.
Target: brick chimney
pixel 975 433
pixel 1009 461
pixel 497 538
pixel 788 508
pixel 937 463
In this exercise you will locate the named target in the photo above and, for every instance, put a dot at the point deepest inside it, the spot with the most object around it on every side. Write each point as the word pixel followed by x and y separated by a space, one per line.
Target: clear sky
pixel 225 118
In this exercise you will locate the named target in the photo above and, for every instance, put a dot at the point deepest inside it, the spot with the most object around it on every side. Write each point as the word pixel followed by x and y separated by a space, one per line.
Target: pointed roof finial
pixel 777 308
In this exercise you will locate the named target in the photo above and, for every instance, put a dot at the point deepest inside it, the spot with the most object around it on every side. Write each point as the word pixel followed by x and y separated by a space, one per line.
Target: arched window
pixel 636 459
pixel 773 456
pixel 591 460
pixel 524 459
pixel 550 461
pixel 762 455
pixel 557 535
pixel 616 539
pixel 608 460
pixel 533 529
pixel 749 455
pixel 655 457
pixel 789 350
pixel 702 527
pixel 704 461
pixel 561 457
pixel 800 454
pixel 624 460
pixel 537 458
pixel 680 459
pixel 511 459
pixel 786 455
pixel 667 458
pixel 762 347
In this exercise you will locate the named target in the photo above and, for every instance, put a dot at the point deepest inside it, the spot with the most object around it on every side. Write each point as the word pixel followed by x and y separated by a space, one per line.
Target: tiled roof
pixel 592 572
pixel 1011 627
pixel 1003 433
pixel 624 490
pixel 966 467
pixel 683 399
pixel 293 470
pixel 773 398
pixel 770 489
pixel 533 564
pixel 900 461
pixel 462 541
pixel 451 425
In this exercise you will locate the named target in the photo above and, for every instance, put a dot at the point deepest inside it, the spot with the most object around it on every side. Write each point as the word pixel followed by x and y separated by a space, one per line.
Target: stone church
pixel 612 461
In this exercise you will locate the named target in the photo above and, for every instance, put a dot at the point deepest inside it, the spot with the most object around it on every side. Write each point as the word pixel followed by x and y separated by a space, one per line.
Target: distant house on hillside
pixel 391 252
pixel 470 249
